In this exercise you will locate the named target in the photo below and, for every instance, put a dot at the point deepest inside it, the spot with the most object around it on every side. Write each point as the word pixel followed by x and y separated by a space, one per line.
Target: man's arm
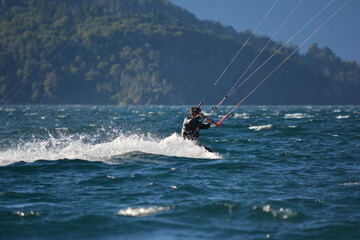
pixel 206 126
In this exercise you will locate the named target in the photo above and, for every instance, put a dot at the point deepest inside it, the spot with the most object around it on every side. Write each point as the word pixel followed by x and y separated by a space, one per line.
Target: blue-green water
pixel 98 172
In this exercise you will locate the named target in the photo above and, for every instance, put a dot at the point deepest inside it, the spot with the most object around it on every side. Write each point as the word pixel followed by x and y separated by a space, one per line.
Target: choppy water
pixel 98 172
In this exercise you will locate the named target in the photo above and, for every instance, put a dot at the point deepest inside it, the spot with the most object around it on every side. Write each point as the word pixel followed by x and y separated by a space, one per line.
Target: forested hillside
pixel 150 52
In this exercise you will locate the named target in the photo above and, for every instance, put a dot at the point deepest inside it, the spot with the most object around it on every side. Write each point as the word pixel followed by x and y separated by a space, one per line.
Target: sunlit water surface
pixel 99 172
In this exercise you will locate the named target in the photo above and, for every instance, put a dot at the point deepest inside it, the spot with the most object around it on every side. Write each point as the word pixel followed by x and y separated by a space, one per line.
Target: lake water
pixel 107 172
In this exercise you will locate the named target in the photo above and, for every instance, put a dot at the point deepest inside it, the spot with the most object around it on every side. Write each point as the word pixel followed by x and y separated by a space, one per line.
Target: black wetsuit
pixel 191 126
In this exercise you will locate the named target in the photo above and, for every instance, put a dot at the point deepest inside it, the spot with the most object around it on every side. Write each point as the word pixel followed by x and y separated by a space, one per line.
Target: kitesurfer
pixel 192 125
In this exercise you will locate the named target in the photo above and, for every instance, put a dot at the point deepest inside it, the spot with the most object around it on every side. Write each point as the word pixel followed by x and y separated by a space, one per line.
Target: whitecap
pixel 142 211
pixel 342 117
pixel 296 115
pixel 242 115
pixel 258 128
pixel 350 184
pixel 205 113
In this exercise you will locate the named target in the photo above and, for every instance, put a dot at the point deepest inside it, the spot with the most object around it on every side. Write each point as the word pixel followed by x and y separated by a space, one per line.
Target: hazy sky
pixel 341 33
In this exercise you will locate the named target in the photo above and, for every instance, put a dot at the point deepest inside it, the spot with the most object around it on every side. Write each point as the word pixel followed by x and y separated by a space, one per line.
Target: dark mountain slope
pixel 150 52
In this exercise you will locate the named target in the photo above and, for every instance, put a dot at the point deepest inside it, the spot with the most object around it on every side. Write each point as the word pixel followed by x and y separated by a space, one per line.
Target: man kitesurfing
pixel 191 126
